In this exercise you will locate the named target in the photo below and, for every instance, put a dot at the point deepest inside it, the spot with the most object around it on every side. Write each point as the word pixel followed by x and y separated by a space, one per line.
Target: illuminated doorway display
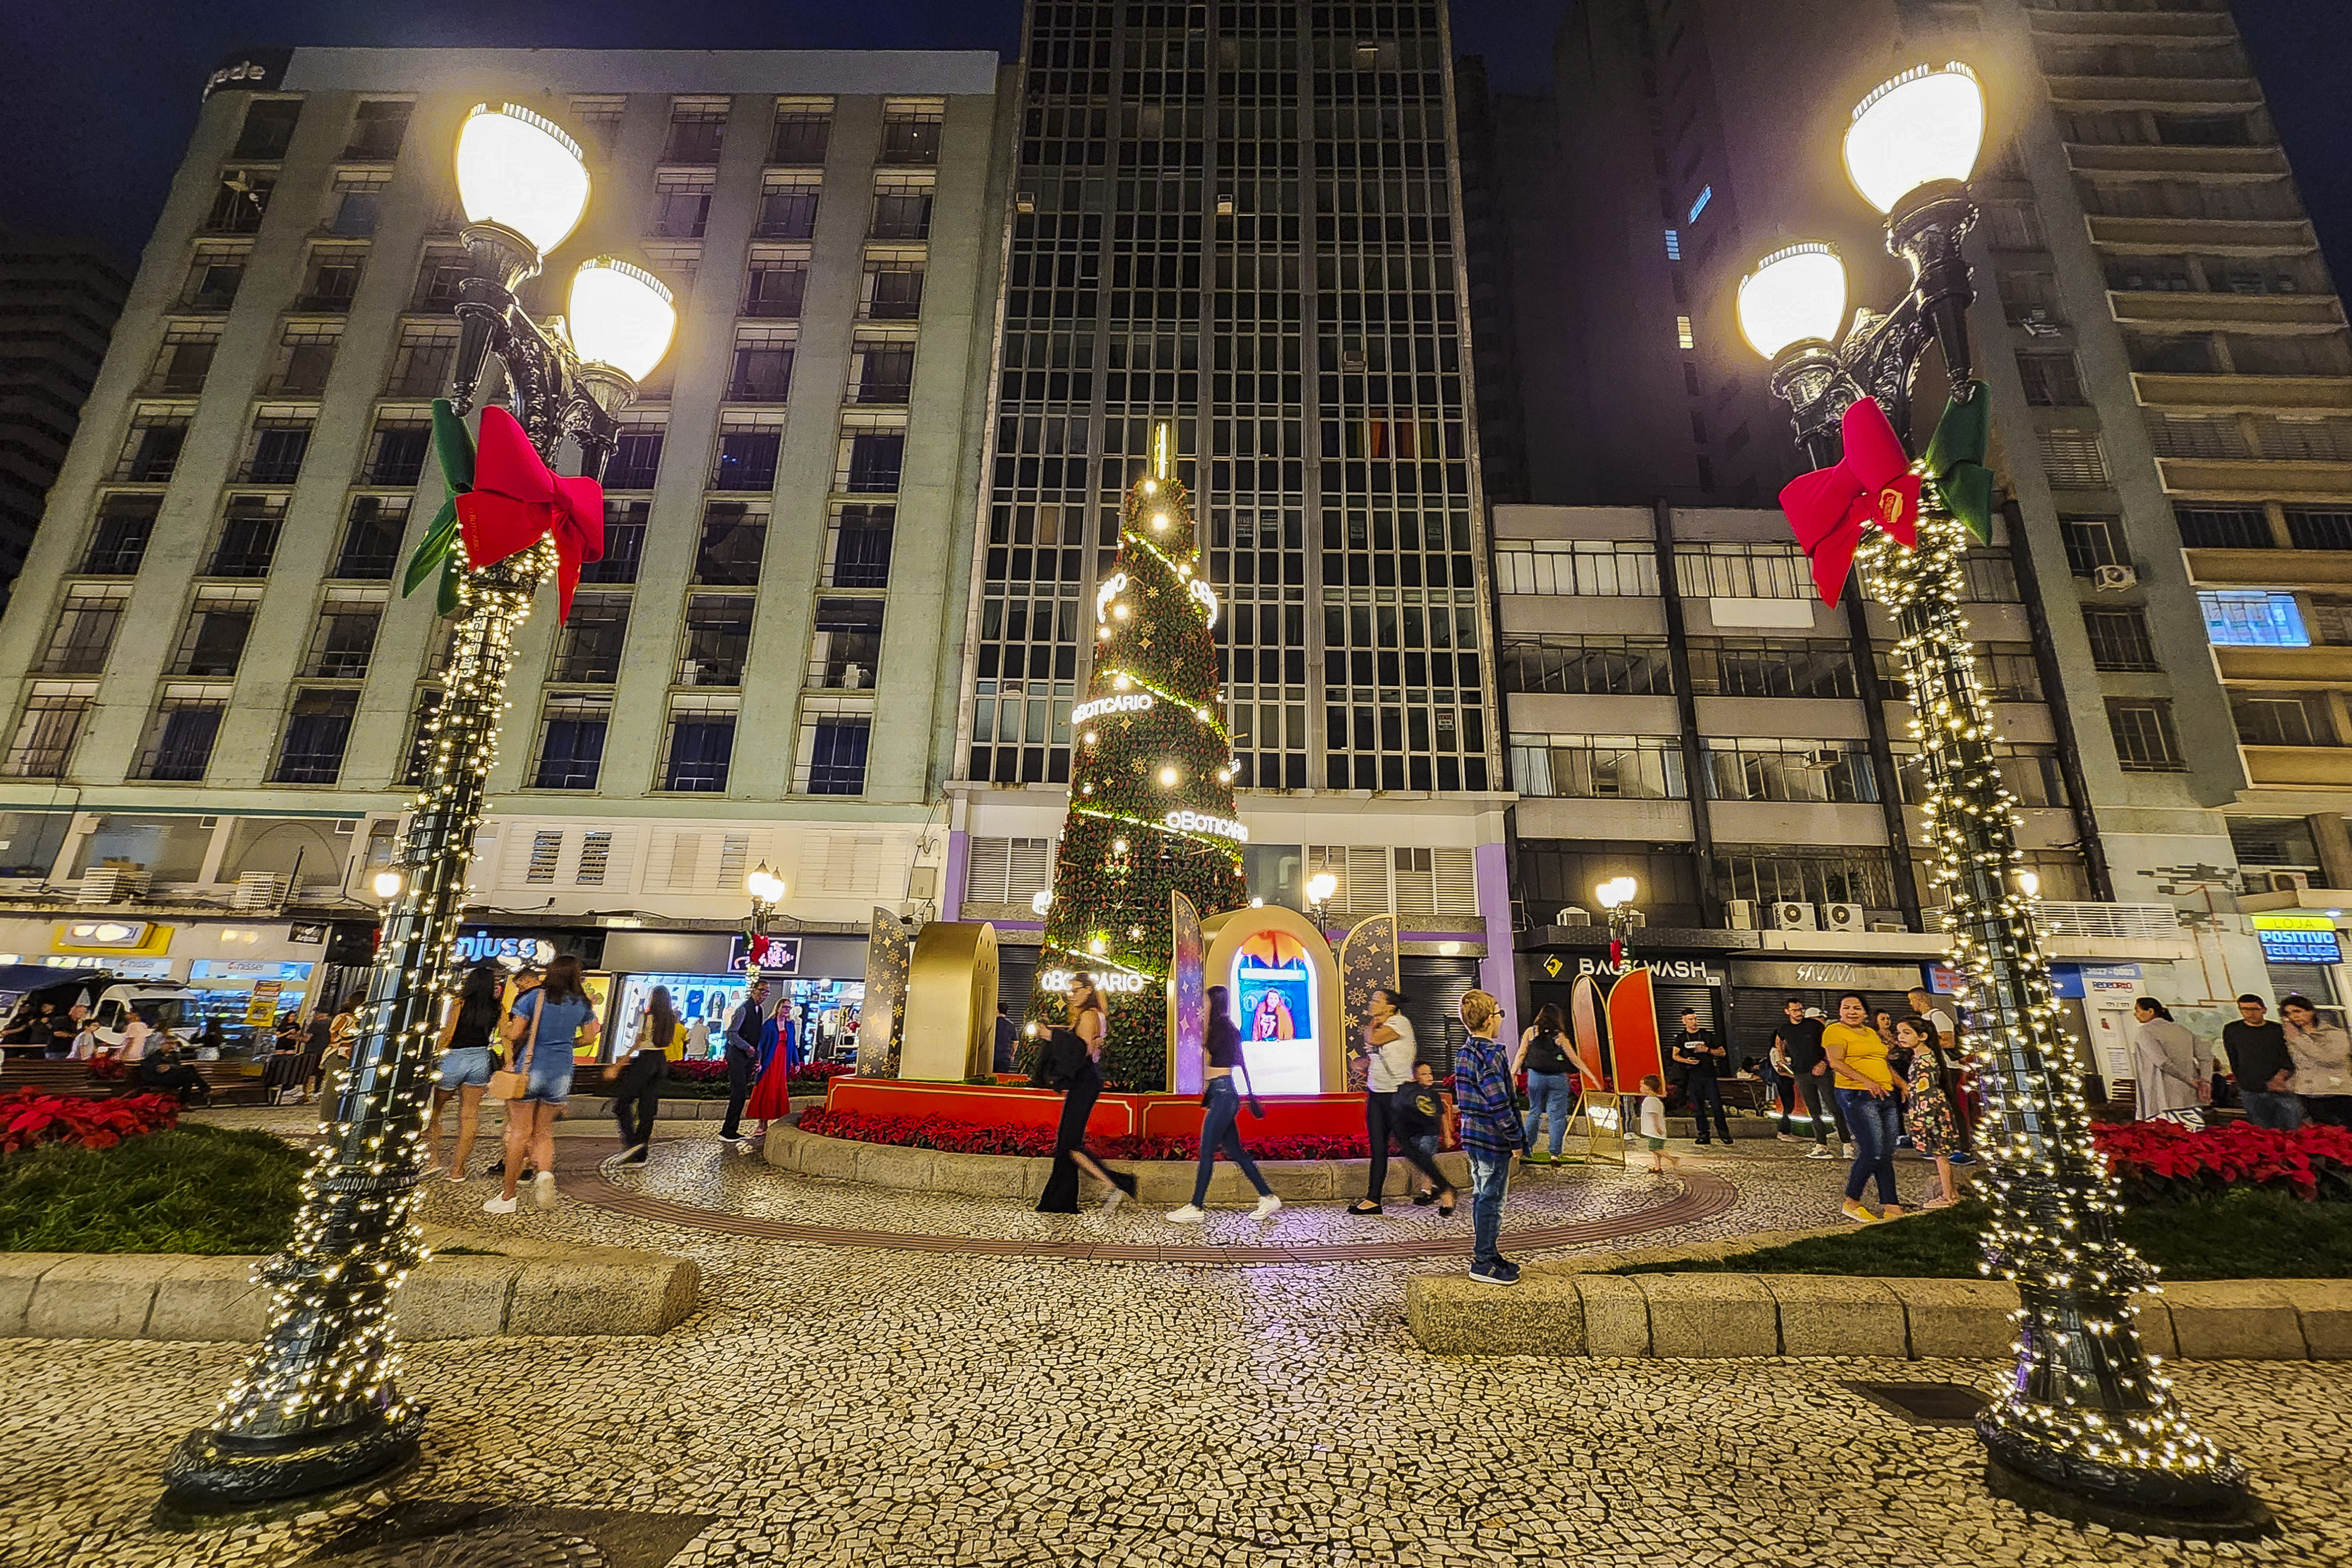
pixel 1276 1006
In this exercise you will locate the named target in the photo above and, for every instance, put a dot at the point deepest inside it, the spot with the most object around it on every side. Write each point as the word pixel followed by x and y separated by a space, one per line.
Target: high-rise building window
pixel 595 119
pixel 787 207
pixel 1673 245
pixel 625 543
pixel 637 456
pixel 178 744
pixel 330 276
pixel 151 452
pixel 571 742
pixel 215 277
pixel 185 360
pixel 857 552
pixel 776 286
pixel 1683 338
pixel 240 201
pixel 268 127
pixel 830 758
pixel 699 745
pixel 248 536
pixel 1599 767
pixel 902 208
pixel 803 132
pixel 698 128
pixel 881 371
pixel 2224 527
pixel 869 461
pixel 317 730
pixel 716 642
pixel 2251 618
pixel 47 729
pixel 734 539
pixel 681 205
pixel 396 451
pixel 275 449
pixel 420 363
pixel 372 537
pixel 2320 528
pixel 589 647
pixel 2119 639
pixel 845 644
pixel 2146 741
pixel 1588 664
pixel 306 356
pixel 343 639
pixel 2052 379
pixel 2073 458
pixel 118 544
pixel 748 447
pixel 84 633
pixel 762 370
pixel 892 290
pixel 910 130
pixel 2092 543
pixel 378 127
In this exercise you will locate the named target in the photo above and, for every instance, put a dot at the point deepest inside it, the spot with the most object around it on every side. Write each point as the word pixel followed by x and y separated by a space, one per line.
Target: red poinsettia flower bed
pixel 810 1079
pixel 950 1136
pixel 2163 1160
pixel 28 1118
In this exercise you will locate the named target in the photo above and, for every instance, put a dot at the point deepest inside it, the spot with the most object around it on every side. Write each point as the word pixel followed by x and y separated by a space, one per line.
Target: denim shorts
pixel 551 1086
pixel 468 1067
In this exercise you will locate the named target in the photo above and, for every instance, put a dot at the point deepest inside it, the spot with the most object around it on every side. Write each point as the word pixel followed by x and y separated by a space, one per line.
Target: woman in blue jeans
pixel 1544 1055
pixel 1870 1097
pixel 1222 1044
pixel 547 1025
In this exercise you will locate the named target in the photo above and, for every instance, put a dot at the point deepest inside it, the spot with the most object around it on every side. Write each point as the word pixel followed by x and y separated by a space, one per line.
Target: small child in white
pixel 1654 1123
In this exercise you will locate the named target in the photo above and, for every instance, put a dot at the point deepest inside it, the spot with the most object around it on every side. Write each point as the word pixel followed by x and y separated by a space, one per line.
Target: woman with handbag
pixel 1543 1056
pixel 468 1059
pixel 544 1030
pixel 1072 1063
pixel 1388 1053
pixel 1222 1044
pixel 636 1082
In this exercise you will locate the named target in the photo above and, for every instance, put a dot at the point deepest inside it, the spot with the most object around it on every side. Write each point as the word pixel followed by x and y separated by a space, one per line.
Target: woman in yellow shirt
pixel 1872 1098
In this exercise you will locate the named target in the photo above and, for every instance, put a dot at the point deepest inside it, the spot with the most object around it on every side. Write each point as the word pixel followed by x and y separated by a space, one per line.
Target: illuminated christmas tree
pixel 1151 786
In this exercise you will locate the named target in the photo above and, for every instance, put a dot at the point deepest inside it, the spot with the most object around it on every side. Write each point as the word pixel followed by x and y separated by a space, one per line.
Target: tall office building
pixel 57 304
pixel 214 690
pixel 1244 219
pixel 2167 364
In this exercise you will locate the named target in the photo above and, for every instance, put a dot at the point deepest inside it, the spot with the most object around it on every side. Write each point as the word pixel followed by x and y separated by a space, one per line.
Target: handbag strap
pixel 530 1046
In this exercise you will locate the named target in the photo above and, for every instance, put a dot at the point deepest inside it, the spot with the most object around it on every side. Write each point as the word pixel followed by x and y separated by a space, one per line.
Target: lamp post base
pixel 2216 1506
pixel 214 1474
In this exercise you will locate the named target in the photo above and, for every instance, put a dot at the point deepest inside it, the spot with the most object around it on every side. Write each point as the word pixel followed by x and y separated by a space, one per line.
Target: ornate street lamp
pixel 2086 1427
pixel 319 1407
pixel 1319 890
pixel 1616 897
pixel 767 891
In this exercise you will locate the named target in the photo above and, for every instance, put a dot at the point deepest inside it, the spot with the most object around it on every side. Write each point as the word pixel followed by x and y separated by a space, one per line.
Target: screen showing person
pixel 1274 1009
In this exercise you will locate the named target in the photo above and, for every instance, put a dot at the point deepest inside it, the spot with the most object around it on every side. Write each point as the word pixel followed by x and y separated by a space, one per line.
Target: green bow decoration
pixel 1956 455
pixel 454 448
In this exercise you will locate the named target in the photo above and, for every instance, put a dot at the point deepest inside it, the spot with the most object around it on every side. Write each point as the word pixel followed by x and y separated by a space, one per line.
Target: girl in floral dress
pixel 1927 1115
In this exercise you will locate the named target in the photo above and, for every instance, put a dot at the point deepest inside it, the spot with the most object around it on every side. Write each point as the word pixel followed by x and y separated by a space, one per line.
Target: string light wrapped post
pixel 319 1407
pixel 2087 1427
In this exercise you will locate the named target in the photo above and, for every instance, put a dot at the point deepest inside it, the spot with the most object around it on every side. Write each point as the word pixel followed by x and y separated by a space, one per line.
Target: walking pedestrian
pixel 469 1057
pixel 1800 1039
pixel 1387 1052
pixel 1000 1053
pixel 1491 1134
pixel 1782 1079
pixel 1866 1092
pixel 2323 1062
pixel 1419 1122
pixel 1544 1054
pixel 2262 1066
pixel 1072 1063
pixel 1654 1124
pixel 1701 1056
pixel 1222 1046
pixel 636 1082
pixel 1928 1116
pixel 2171 1070
pixel 546 1029
pixel 317 1038
pixel 743 1029
pixel 1956 1069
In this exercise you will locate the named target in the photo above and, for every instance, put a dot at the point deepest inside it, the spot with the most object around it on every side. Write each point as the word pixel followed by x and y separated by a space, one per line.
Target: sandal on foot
pixel 1363 1206
pixel 1445 1203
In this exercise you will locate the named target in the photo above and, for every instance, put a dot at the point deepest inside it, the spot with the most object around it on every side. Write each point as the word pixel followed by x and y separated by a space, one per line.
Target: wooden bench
pixel 230 1081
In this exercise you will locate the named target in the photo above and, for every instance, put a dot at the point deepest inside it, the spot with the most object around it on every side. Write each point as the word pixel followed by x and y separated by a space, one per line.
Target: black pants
pixel 1821 1104
pixel 636 1096
pixel 1061 1193
pixel 1380 1126
pixel 742 1068
pixel 1705 1091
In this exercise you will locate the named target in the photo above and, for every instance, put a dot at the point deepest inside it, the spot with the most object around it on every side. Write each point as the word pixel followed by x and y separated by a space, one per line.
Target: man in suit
pixel 742 1062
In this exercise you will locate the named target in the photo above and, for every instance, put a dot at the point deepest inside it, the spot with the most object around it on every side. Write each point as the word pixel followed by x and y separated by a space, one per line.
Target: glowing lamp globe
pixel 620 315
pixel 1616 890
pixel 519 171
pixel 1792 296
pixel 1321 886
pixel 765 885
pixel 1925 125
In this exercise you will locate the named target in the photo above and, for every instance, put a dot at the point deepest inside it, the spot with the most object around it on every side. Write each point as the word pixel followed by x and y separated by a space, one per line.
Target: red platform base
pixel 1152 1115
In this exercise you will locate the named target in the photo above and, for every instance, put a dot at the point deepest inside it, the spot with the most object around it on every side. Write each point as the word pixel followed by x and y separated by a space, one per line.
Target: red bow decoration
pixel 1828 508
pixel 517 501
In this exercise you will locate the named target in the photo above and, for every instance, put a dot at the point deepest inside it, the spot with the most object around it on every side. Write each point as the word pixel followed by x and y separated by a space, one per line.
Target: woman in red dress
pixel 770 1100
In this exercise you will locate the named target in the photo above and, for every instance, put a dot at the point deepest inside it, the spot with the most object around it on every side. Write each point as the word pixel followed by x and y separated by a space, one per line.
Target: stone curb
pixel 1573 1311
pixel 1168 1182
pixel 530 1289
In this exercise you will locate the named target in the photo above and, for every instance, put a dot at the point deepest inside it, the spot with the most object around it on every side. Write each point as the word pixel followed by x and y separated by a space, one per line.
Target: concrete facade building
pixel 57 305
pixel 1244 218
pixel 211 676
pixel 2167 360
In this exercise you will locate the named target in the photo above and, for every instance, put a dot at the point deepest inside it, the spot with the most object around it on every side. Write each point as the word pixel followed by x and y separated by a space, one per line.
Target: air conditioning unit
pixel 1024 202
pixel 261 890
pixel 1893 927
pixel 2115 579
pixel 1843 917
pixel 2289 881
pixel 1572 915
pixel 1739 914
pixel 1822 758
pixel 1786 916
pixel 105 884
pixel 1224 203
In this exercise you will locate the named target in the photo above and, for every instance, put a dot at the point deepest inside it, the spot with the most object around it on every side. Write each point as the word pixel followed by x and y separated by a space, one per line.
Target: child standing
pixel 1654 1123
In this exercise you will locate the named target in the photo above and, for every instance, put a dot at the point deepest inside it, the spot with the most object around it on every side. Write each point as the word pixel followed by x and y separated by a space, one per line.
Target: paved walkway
pixel 865 1404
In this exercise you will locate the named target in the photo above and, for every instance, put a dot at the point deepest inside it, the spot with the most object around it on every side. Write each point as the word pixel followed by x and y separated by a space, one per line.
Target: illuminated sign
pixel 481 947
pixel 1105 980
pixel 1199 822
pixel 249 969
pixel 769 955
pixel 1106 594
pixel 1126 702
pixel 259 70
pixel 2298 939
pixel 103 934
pixel 1207 596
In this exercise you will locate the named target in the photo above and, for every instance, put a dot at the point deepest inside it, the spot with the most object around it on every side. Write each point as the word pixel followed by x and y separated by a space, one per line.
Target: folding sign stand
pixel 1604 1126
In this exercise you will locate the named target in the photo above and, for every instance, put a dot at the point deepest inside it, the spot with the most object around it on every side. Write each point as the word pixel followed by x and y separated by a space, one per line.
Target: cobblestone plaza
pixel 918 1403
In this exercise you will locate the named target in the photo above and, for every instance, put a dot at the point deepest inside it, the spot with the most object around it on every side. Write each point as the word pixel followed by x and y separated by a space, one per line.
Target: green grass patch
pixel 2248 1234
pixel 196 1189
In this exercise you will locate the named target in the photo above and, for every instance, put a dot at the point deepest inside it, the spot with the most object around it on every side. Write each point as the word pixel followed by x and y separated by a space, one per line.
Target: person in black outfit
pixel 743 1063
pixel 1072 1062
pixel 1700 1055
pixel 637 1088
pixel 1221 1044
pixel 2262 1066
pixel 165 1071
pixel 1001 1057
pixel 1800 1045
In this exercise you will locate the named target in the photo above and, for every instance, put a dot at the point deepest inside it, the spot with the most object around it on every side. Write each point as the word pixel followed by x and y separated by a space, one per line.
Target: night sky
pixel 98 97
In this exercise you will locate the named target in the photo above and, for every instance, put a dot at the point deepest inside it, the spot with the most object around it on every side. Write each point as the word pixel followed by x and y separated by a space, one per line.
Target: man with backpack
pixel 742 1062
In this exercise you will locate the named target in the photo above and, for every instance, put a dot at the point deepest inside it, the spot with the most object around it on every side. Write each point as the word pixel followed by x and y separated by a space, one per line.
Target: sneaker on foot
pixel 1265 1207
pixel 459 1177
pixel 542 1189
pixel 1498 1272
pixel 1112 1199
pixel 1190 1214
pixel 1853 1210
pixel 1964 1158
pixel 500 1205
pixel 1849 1151
pixel 1789 1137
pixel 1818 1151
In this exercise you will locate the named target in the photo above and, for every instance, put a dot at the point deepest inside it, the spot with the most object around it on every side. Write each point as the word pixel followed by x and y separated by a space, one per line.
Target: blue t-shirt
pixel 558 1026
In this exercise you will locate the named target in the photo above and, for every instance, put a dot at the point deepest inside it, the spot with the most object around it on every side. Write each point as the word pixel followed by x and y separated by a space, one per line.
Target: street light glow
pixel 1791 296
pixel 388 884
pixel 620 315
pixel 1925 124
pixel 1617 890
pixel 1321 886
pixel 764 885
pixel 519 171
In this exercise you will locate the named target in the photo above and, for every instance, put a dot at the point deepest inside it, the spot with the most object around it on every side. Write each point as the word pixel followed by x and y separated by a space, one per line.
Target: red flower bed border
pixel 29 1118
pixel 949 1135
pixel 810 1079
pixel 2163 1161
